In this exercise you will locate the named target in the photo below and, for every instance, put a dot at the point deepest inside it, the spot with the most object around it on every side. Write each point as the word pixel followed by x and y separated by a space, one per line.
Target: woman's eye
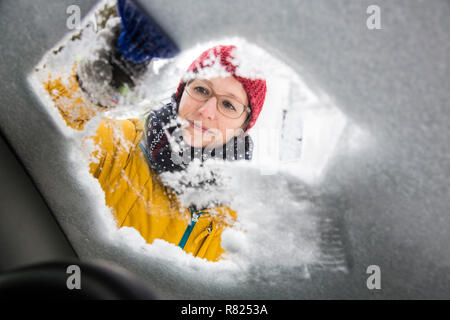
pixel 228 105
pixel 202 90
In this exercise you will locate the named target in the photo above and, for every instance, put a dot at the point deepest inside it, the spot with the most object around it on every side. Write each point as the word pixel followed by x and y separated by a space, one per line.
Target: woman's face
pixel 207 125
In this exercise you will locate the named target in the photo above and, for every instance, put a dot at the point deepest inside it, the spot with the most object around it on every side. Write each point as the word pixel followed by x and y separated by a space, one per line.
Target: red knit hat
pixel 255 88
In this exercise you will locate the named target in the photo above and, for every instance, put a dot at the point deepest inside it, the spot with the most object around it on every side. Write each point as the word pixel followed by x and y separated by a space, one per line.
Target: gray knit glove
pixel 104 71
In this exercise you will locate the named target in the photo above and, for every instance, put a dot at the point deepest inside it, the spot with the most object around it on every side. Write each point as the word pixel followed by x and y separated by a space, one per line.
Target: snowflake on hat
pixel 223 61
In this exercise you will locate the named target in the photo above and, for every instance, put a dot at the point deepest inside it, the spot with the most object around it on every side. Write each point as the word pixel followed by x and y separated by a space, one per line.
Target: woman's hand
pixel 104 73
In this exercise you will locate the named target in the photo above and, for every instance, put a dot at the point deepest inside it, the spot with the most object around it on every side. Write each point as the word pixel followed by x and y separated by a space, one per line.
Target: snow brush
pixel 119 57
pixel 142 38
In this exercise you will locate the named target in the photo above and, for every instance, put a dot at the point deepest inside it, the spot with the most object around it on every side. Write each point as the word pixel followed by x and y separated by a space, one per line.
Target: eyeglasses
pixel 228 106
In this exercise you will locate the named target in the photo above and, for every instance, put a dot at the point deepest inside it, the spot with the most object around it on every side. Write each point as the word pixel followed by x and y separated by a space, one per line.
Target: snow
pixel 279 236
pixel 391 169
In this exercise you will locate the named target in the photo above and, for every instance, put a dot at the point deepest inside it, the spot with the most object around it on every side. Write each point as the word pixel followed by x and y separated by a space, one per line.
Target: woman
pixel 216 112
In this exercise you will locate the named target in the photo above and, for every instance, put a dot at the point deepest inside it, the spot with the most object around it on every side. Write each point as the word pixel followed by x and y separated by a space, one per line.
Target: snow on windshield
pixel 287 225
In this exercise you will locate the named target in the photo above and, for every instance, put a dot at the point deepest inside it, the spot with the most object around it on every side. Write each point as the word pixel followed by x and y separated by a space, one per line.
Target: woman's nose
pixel 209 108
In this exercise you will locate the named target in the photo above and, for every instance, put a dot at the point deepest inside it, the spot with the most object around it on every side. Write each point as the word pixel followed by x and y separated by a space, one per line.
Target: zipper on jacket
pixel 190 227
pixel 144 150
pixel 194 215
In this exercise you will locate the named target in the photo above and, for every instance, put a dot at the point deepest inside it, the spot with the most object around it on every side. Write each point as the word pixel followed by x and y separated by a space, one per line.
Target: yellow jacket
pixel 133 190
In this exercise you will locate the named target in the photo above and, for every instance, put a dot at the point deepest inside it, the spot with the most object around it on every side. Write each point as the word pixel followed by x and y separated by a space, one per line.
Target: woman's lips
pixel 196 125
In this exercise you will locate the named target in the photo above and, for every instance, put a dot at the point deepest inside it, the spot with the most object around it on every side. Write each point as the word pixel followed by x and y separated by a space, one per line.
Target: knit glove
pixel 104 73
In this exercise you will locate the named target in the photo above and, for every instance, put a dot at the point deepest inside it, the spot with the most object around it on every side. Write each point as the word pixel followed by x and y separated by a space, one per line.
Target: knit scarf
pixel 167 152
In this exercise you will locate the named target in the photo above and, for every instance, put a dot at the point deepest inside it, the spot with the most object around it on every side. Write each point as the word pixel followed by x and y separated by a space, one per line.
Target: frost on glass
pixel 287 226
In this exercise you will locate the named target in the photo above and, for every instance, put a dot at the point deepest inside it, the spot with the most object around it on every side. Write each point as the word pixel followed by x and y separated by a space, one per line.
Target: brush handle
pixel 103 72
pixel 141 38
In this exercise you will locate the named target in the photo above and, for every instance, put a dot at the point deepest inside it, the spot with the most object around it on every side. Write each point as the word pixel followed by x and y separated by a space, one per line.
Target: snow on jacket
pixel 133 190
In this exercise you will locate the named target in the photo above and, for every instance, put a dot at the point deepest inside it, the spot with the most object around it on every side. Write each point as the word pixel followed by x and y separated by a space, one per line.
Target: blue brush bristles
pixel 142 38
